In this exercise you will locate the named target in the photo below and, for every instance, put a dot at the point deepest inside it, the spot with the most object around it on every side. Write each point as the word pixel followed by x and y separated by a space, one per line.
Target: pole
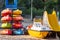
pixel 31 10
pixel 58 14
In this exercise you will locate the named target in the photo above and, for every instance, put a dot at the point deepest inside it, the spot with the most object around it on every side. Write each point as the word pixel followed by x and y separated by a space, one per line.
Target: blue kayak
pixel 18 32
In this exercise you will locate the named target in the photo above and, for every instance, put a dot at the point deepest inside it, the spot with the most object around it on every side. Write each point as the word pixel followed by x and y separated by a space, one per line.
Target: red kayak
pixel 6 18
pixel 17 25
pixel 17 18
pixel 6 32
pixel 6 12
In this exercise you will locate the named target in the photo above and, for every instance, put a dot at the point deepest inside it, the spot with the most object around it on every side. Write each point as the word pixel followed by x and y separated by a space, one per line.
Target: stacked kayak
pixel 11 22
pixel 6 19
pixel 17 24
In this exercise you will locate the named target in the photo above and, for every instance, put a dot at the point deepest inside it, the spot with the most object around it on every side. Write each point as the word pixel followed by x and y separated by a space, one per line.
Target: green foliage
pixel 38 6
pixel 11 1
pixel 49 4
pixel 24 3
pixel 40 12
pixel 34 10
pixel 37 12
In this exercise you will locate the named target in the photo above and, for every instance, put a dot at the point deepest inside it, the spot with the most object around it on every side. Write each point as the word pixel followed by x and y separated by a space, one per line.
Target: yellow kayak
pixel 17 12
